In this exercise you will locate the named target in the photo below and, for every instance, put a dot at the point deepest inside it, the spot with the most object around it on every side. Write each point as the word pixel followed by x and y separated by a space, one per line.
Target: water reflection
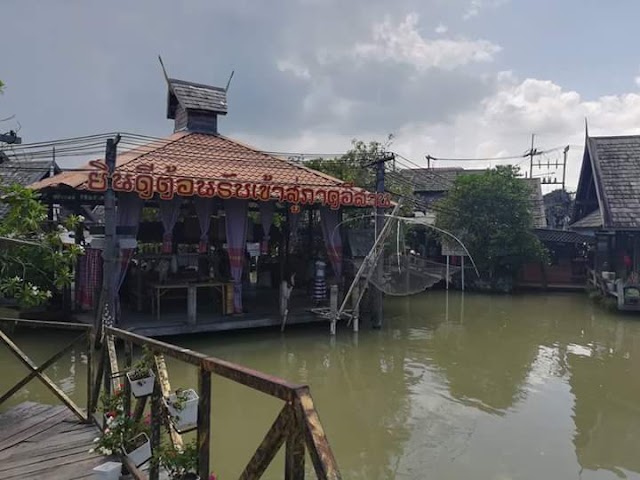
pixel 522 387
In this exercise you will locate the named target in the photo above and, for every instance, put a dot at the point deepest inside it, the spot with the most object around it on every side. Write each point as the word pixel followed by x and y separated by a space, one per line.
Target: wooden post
pixel 462 271
pixel 156 423
pixel 294 448
pixel 333 305
pixel 128 360
pixel 447 278
pixel 204 422
pixel 355 302
pixel 90 406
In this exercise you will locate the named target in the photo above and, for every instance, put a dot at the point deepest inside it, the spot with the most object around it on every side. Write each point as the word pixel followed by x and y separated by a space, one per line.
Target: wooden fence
pixel 297 426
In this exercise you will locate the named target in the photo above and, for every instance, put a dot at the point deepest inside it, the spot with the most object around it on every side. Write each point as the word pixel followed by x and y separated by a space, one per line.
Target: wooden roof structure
pixel 609 183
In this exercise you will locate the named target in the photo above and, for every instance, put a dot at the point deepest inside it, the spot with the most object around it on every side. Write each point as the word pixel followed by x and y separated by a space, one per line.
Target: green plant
pixel 180 399
pixel 120 429
pixel 38 264
pixel 140 369
pixel 180 464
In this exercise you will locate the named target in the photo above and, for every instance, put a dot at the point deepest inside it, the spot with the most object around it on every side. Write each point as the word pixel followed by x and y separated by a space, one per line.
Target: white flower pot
pixel 141 454
pixel 142 387
pixel 107 471
pixel 187 418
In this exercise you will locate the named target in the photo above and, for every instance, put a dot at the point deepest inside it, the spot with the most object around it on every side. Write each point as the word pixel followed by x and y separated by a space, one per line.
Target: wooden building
pixel 196 211
pixel 24 172
pixel 607 206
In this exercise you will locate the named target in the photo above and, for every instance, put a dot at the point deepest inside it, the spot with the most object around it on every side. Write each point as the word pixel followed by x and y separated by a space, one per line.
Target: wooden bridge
pixel 69 430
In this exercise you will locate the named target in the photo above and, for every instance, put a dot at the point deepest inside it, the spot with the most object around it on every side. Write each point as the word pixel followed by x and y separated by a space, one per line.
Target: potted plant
pixel 141 376
pixel 138 449
pixel 121 432
pixel 180 464
pixel 183 409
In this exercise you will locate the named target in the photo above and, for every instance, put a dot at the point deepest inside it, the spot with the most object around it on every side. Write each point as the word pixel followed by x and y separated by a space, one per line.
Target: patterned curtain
pixel 204 208
pixel 128 214
pixel 169 212
pixel 266 219
pixel 236 230
pixel 329 221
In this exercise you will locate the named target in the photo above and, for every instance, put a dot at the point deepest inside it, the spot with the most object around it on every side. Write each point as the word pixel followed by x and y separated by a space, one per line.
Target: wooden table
pixel 161 289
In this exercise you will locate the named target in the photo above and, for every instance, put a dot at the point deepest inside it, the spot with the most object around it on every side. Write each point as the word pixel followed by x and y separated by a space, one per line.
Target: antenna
pixel 226 89
pixel 164 70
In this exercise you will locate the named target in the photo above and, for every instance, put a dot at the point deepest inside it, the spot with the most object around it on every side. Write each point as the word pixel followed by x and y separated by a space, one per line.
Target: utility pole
pixel 564 166
pixel 532 152
pixel 376 292
pixel 107 313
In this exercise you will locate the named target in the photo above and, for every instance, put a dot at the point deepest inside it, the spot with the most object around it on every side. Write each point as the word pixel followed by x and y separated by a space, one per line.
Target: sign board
pixel 452 248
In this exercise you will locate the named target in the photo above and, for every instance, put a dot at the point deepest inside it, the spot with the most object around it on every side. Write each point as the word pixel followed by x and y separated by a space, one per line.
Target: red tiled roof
pixel 203 156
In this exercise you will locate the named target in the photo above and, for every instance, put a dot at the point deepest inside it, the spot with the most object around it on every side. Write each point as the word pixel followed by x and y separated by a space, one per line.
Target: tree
pixel 491 214
pixel 37 264
pixel 357 166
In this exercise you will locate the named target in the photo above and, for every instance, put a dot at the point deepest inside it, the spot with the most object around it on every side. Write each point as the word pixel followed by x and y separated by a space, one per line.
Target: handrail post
pixel 204 421
pixel 294 448
pixel 156 421
pixel 128 360
pixel 90 405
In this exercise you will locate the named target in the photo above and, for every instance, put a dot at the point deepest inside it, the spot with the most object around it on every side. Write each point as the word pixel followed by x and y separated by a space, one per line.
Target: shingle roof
pixel 24 173
pixel 616 166
pixel 591 221
pixel 440 180
pixel 197 96
pixel 435 179
pixel 561 236
pixel 206 157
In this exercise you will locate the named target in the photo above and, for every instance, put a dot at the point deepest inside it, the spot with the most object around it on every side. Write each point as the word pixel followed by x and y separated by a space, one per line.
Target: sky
pixel 448 78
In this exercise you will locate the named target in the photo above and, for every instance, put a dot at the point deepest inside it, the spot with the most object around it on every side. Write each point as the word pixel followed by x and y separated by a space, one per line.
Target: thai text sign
pixel 147 183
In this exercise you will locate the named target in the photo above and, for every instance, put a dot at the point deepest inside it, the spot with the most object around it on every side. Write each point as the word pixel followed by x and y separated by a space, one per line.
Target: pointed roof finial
pixel 586 128
pixel 164 70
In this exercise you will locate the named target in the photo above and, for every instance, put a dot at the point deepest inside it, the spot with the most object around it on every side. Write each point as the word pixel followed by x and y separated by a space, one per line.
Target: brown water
pixel 523 387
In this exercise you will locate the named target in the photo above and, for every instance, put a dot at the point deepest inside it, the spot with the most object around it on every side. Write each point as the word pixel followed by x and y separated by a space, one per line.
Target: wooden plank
pixel 43 323
pixel 324 463
pixel 30 427
pixel 162 375
pixel 44 378
pixel 113 361
pixel 294 450
pixel 269 446
pixel 34 471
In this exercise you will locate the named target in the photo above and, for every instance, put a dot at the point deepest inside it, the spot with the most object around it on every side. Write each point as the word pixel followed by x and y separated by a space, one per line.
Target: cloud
pixel 403 43
pixel 474 7
pixel 441 28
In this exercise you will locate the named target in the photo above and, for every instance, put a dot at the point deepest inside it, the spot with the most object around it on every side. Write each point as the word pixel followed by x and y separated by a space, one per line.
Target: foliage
pixel 140 368
pixel 357 166
pixel 120 428
pixel 1 86
pixel 180 400
pixel 28 273
pixel 492 215
pixel 178 463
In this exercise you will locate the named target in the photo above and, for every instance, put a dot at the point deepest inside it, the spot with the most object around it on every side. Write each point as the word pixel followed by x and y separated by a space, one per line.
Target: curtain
pixel 294 219
pixel 89 278
pixel 266 219
pixel 169 211
pixel 128 214
pixel 329 221
pixel 204 208
pixel 236 230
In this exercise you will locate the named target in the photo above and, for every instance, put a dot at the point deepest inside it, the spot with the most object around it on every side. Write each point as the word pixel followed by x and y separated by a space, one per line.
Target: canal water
pixel 453 387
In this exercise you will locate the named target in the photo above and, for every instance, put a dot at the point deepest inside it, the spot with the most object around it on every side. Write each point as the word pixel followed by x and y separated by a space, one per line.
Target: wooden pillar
pixel 204 422
pixel 128 361
pixel 156 423
pixel 294 449
pixel 90 404
pixel 462 271
pixel 333 305
pixel 355 302
pixel 447 277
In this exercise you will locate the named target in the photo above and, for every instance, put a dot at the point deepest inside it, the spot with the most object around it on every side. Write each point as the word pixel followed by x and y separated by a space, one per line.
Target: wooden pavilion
pixel 196 212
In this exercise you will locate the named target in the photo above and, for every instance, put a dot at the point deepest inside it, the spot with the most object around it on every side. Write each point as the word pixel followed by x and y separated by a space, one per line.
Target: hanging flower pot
pixel 138 450
pixel 183 409
pixel 141 382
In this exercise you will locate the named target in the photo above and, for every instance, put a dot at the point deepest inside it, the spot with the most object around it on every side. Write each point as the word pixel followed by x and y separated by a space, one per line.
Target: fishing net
pixel 406 259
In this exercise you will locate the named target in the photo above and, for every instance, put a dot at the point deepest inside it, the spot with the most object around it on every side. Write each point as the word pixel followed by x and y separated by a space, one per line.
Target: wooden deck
pixel 46 441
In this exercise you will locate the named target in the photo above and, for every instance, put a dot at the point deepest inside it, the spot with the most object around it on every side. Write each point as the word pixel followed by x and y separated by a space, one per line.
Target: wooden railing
pixel 83 340
pixel 297 425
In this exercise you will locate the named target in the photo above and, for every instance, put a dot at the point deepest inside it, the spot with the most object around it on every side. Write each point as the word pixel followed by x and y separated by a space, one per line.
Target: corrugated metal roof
pixel 561 236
